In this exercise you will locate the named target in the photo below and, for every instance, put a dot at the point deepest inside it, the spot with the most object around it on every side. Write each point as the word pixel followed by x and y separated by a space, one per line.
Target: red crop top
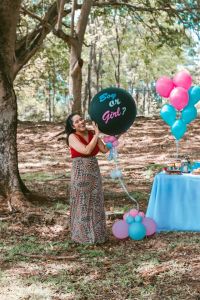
pixel 75 153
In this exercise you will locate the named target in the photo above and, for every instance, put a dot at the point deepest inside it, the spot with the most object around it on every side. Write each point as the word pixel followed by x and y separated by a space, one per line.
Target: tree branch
pixel 83 19
pixel 31 14
pixel 65 37
pixel 74 4
pixel 28 45
pixel 60 14
pixel 145 8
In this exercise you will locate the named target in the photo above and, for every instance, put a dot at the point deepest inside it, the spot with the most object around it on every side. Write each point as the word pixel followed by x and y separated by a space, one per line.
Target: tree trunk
pixel 11 185
pixel 76 62
pixel 75 80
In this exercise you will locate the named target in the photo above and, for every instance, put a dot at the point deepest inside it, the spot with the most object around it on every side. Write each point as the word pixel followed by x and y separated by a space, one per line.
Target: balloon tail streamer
pixel 115 155
pixel 177 149
pixel 127 192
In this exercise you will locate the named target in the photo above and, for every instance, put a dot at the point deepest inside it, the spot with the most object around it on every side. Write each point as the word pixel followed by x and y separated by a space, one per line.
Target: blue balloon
pixel 189 113
pixel 109 145
pixel 138 219
pixel 194 95
pixel 130 219
pixel 168 114
pixel 178 129
pixel 136 231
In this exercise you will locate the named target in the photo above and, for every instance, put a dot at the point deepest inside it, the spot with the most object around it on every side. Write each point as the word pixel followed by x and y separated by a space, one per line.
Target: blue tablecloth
pixel 174 202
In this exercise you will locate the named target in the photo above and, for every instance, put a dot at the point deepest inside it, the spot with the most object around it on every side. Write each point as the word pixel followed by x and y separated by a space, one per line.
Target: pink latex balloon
pixel 183 79
pixel 164 86
pixel 120 229
pixel 179 98
pixel 125 216
pixel 141 214
pixel 115 143
pixel 150 225
pixel 133 212
pixel 106 139
pixel 112 139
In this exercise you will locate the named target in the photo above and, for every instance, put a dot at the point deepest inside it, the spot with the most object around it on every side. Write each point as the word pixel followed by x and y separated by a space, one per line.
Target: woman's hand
pixel 96 128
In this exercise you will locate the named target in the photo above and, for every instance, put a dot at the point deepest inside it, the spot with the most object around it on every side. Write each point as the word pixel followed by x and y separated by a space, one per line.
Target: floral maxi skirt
pixel 87 214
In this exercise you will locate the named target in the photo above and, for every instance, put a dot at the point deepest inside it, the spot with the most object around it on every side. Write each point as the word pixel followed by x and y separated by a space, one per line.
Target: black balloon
pixel 114 110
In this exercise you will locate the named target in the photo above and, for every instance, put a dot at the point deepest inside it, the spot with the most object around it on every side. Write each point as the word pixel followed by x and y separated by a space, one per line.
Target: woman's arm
pixel 102 146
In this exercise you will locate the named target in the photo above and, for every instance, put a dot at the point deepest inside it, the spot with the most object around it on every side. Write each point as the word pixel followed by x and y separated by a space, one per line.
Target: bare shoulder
pixel 72 137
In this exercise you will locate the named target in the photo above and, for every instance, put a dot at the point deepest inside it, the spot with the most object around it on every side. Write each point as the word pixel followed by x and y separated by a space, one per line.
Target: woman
pixel 87 215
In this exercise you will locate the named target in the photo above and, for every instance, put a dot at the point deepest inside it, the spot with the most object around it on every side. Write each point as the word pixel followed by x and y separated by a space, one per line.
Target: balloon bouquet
pixel 114 110
pixel 182 97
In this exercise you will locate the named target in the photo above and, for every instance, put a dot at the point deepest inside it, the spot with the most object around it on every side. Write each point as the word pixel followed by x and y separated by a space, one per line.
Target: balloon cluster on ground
pixel 183 97
pixel 134 225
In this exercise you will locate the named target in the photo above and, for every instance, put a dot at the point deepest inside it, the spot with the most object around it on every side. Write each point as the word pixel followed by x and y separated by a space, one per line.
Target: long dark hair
pixel 69 126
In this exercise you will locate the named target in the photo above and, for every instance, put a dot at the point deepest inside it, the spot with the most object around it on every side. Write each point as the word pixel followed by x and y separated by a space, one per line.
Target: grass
pixel 14 250
pixel 60 207
pixel 160 267
pixel 123 271
pixel 41 176
pixel 4 228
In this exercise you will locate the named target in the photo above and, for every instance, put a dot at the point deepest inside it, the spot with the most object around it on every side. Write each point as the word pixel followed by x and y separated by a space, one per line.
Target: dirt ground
pixel 38 259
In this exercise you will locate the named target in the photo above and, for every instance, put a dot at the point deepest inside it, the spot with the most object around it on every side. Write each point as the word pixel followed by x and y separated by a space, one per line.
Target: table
pixel 174 202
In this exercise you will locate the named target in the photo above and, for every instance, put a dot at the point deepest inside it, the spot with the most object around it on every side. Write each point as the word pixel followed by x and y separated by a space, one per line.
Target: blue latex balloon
pixel 109 145
pixel 130 220
pixel 138 219
pixel 194 95
pixel 136 231
pixel 189 113
pixel 178 129
pixel 168 114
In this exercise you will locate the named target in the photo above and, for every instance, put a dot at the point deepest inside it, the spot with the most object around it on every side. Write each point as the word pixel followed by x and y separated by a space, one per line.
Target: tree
pixel 75 42
pixel 13 56
pixel 10 183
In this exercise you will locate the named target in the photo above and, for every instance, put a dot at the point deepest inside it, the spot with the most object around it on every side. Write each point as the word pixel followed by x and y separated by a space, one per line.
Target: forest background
pixel 54 57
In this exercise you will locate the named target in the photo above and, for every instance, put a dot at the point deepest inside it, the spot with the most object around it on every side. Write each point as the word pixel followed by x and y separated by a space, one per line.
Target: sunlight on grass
pixel 15 289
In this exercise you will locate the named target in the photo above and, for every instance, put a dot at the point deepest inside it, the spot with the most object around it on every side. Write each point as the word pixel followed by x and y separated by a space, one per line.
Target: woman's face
pixel 78 123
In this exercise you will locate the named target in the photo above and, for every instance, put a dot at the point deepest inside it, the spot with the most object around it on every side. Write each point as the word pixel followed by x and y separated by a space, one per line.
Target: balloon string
pixel 177 149
pixel 114 152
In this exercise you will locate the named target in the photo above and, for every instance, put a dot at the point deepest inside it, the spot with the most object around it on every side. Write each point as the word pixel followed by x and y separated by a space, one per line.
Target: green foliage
pixel 139 41
pixel 42 87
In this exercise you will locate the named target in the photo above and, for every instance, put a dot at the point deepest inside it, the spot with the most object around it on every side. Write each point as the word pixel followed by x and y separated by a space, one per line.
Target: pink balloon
pixel 150 225
pixel 125 216
pixel 115 143
pixel 183 79
pixel 112 139
pixel 179 98
pixel 133 212
pixel 164 86
pixel 120 229
pixel 141 214
pixel 106 139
